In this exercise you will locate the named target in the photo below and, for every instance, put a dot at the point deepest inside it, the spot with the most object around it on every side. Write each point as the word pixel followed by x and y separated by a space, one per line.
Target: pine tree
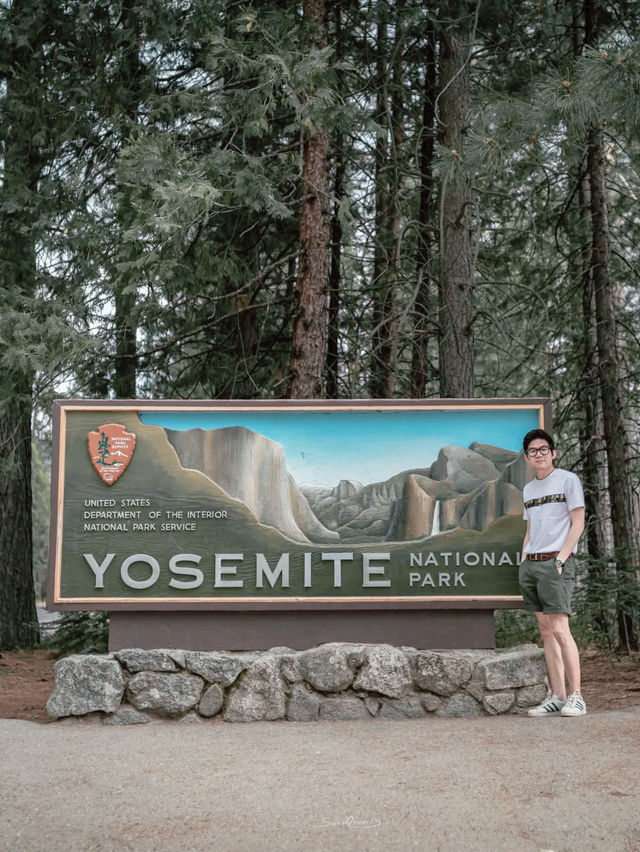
pixel 308 348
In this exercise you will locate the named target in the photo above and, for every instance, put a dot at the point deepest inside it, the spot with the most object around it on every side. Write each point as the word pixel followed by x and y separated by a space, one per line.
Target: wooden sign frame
pixel 100 412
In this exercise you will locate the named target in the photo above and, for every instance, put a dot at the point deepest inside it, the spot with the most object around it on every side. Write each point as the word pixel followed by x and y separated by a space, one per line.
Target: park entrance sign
pixel 166 505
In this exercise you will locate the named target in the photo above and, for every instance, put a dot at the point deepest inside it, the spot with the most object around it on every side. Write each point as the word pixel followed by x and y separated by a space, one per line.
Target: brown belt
pixel 540 557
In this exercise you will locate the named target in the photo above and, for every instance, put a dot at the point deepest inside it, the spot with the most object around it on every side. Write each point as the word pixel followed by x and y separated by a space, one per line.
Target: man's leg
pixel 559 627
pixel 553 654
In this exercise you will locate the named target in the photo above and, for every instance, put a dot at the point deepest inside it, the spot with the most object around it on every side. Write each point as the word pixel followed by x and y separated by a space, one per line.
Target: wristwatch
pixel 559 564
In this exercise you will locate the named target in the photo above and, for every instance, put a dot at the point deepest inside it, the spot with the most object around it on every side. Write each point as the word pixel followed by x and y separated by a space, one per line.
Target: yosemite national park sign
pixel 203 504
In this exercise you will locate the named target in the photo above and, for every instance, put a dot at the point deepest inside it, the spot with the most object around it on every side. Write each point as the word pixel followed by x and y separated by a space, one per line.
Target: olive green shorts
pixel 544 589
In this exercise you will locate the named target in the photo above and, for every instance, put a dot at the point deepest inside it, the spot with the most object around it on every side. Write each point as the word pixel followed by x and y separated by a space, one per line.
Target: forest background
pixel 358 198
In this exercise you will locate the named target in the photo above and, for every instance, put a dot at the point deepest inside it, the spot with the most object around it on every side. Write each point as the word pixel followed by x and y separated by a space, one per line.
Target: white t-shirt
pixel 547 503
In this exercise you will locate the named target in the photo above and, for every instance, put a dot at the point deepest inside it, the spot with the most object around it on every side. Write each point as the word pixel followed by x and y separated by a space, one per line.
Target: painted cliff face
pixel 465 487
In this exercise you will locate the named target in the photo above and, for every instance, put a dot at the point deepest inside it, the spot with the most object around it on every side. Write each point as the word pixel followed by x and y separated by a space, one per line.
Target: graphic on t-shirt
pixel 550 498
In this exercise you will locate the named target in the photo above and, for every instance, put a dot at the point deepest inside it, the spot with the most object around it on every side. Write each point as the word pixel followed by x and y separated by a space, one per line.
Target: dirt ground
pixel 26 681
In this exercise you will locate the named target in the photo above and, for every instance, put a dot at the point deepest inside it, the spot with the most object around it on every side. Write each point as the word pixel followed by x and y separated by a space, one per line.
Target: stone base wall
pixel 333 681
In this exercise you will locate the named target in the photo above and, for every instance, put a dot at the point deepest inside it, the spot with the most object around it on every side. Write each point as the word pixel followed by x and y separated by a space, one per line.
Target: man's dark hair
pixel 537 434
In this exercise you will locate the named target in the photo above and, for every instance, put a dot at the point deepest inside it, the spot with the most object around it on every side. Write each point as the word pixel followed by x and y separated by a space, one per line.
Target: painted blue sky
pixel 323 447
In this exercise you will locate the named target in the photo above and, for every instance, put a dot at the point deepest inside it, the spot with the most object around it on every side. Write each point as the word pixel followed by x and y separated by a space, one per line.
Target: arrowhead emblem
pixel 110 451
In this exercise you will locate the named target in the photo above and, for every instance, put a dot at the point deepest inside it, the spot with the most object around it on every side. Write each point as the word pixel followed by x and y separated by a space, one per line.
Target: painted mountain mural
pixel 465 488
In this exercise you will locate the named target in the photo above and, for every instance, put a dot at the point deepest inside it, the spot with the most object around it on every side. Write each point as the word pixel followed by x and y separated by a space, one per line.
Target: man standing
pixel 554 512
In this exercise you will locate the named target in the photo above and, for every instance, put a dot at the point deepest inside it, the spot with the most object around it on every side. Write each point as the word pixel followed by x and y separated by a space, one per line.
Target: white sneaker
pixel 551 705
pixel 574 705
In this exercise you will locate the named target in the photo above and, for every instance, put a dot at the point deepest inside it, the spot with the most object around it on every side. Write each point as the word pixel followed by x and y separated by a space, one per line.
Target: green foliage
pixel 599 598
pixel 515 627
pixel 151 186
pixel 79 632
pixel 602 596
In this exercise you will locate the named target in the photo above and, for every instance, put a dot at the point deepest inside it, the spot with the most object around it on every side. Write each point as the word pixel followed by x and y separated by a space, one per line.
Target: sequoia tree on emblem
pixel 110 451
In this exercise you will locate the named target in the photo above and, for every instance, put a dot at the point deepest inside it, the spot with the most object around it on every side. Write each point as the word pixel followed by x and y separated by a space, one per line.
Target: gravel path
pixel 504 783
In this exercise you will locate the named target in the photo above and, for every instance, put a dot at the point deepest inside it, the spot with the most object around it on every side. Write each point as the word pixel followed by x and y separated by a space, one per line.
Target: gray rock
pixel 410 652
pixel 178 657
pixel 81 721
pixel 442 672
pixel 259 695
pixel 355 655
pixel 530 696
pixel 341 707
pixel 126 716
pixel 372 704
pixel 327 667
pixel 461 706
pixel 85 684
pixel 431 703
pixel 216 666
pixel 386 670
pixel 248 658
pixel 513 669
pixel 211 701
pixel 167 694
pixel 137 660
pixel 290 668
pixel 498 702
pixel 191 719
pixel 475 654
pixel 475 687
pixel 303 705
pixel 409 707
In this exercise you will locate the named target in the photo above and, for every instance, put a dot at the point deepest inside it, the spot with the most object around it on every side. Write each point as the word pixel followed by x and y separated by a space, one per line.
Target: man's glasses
pixel 534 451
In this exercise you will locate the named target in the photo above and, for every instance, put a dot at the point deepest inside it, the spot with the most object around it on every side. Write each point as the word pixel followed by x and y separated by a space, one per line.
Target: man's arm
pixel 573 536
pixel 523 555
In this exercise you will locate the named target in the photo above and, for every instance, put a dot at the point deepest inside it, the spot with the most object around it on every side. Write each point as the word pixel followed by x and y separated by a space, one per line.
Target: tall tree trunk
pixel 247 326
pixel 592 449
pixel 389 98
pixel 308 348
pixel 124 381
pixel 333 336
pixel 613 407
pixel 22 65
pixel 18 618
pixel 611 383
pixel 125 296
pixel 420 372
pixel 456 352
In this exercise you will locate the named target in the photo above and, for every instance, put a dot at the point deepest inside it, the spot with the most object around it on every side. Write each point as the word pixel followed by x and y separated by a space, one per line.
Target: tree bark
pixel 598 537
pixel 125 296
pixel 456 350
pixel 613 408
pixel 308 349
pixel 609 373
pixel 420 370
pixel 18 618
pixel 389 98
pixel 333 337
